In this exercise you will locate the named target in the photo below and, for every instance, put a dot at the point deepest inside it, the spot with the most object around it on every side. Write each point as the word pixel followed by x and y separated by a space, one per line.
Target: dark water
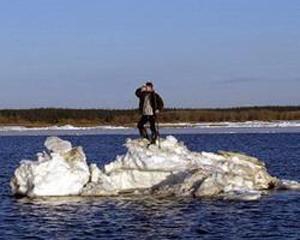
pixel 275 216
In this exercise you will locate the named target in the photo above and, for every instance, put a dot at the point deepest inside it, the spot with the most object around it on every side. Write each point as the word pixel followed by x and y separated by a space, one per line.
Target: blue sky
pixel 199 53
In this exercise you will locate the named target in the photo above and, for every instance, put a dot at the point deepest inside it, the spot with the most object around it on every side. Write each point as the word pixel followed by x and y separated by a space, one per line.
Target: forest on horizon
pixel 128 117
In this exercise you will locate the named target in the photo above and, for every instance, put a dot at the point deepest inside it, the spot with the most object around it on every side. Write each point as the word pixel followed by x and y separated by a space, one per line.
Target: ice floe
pixel 163 170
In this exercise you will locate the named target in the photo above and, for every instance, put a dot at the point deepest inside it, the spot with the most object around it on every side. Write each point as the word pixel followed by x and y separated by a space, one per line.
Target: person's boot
pixel 153 139
pixel 144 134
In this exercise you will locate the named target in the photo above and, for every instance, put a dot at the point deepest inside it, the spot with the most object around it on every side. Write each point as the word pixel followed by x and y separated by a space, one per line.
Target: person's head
pixel 149 87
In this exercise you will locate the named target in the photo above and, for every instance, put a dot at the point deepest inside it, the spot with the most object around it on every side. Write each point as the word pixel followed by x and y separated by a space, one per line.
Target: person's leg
pixel 141 127
pixel 154 132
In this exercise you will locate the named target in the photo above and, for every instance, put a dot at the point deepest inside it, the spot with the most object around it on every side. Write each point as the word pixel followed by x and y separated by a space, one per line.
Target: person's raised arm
pixel 139 91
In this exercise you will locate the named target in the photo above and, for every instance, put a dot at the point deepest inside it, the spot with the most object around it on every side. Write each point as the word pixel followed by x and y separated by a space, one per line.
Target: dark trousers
pixel 143 131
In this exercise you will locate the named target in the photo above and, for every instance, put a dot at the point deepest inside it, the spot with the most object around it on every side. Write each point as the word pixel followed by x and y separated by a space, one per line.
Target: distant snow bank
pixel 247 124
pixel 60 128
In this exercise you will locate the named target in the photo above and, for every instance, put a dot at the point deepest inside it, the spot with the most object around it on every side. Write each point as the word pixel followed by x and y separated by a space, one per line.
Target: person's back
pixel 150 105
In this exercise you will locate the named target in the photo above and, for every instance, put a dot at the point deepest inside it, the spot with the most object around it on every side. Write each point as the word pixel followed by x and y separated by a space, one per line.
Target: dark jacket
pixel 156 101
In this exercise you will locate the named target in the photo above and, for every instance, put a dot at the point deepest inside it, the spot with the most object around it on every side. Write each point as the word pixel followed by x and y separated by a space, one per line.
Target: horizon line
pixel 167 108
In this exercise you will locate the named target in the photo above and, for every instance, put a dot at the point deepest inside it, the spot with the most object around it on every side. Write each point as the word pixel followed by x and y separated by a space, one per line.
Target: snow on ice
pixel 164 171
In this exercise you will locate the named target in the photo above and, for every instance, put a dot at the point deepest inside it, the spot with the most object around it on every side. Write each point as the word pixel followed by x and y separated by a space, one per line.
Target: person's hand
pixel 143 88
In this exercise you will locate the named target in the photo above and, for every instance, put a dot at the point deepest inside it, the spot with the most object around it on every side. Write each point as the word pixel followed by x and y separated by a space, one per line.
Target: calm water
pixel 276 216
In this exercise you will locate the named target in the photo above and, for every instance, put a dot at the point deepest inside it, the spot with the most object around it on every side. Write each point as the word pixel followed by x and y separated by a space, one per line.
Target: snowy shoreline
pixel 60 128
pixel 204 125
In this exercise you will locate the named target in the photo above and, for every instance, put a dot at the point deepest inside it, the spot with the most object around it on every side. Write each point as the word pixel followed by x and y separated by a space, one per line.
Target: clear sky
pixel 199 53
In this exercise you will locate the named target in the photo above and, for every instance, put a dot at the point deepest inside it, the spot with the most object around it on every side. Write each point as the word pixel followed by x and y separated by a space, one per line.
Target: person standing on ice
pixel 150 105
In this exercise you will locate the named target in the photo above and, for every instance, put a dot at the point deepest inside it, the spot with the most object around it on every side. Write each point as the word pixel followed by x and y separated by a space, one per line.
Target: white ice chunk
pixel 63 173
pixel 57 145
pixel 167 169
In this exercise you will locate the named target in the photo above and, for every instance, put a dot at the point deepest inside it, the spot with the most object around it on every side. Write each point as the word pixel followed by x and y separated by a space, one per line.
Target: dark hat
pixel 149 84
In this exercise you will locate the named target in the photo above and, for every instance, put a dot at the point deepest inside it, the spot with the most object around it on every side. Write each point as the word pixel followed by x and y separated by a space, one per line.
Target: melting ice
pixel 166 170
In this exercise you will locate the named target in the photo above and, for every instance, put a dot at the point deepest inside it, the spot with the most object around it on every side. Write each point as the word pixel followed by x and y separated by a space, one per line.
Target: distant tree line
pixel 89 117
